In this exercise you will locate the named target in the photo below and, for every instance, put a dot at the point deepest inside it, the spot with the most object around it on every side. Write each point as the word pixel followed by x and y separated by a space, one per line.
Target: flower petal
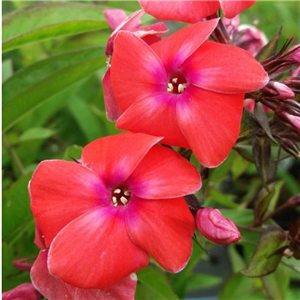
pixel 162 228
pixel 184 11
pixel 95 251
pixel 111 106
pixel 162 174
pixel 55 289
pixel 211 124
pixel 225 69
pixel 155 115
pixel 115 157
pixel 176 48
pixel 60 191
pixel 136 71
pixel 114 17
pixel 232 8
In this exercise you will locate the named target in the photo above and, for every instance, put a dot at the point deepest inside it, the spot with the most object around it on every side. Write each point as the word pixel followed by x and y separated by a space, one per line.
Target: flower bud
pixel 215 227
pixel 284 91
pixel 25 291
pixel 22 264
pixel 114 17
pixel 290 147
pixel 296 72
pixel 251 39
pixel 294 54
pixel 294 120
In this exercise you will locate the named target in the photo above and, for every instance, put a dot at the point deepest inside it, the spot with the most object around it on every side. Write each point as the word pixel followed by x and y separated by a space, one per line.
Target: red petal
pixel 232 8
pixel 175 49
pixel 136 71
pixel 114 17
pixel 115 157
pixel 224 69
pixel 95 251
pixel 155 115
pixel 55 289
pixel 211 124
pixel 162 228
pixel 162 174
pixel 184 11
pixel 60 191
pixel 111 106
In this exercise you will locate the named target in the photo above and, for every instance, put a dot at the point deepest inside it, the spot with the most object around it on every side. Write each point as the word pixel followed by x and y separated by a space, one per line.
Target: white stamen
pixel 170 87
pixel 114 200
pixel 123 200
pixel 174 80
pixel 117 191
pixel 181 87
pixel 127 193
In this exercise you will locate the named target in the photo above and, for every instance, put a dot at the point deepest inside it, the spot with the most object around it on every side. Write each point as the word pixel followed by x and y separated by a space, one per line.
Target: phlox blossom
pixel 102 218
pixel 184 88
pixel 192 11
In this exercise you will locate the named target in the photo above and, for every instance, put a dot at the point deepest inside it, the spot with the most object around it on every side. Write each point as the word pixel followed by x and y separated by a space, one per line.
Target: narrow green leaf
pixel 263 260
pixel 221 171
pixel 202 281
pixel 30 87
pixel 16 207
pixel 49 20
pixel 7 69
pixel 154 285
pixel 270 49
pixel 223 199
pixel 36 133
pixel 237 261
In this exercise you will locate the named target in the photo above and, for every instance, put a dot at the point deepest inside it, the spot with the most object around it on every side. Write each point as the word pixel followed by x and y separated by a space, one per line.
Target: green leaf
pixel 223 199
pixel 276 284
pixel 202 281
pixel 7 69
pixel 32 86
pixel 269 49
pixel 73 152
pixel 49 20
pixel 264 260
pixel 16 207
pixel 237 261
pixel 240 288
pixel 154 284
pixel 36 133
pixel 221 171
pixel 242 217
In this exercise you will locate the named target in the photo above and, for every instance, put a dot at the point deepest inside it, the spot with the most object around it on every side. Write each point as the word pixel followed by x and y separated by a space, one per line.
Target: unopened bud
pixel 215 227
pixel 290 147
pixel 114 17
pixel 23 291
pixel 294 120
pixel 284 92
pixel 294 54
pixel 22 264
pixel 296 73
pixel 294 237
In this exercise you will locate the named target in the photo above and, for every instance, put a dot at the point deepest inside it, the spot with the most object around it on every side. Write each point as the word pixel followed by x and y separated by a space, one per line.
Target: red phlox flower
pixel 192 11
pixel 25 291
pixel 215 227
pixel 103 218
pixel 149 34
pixel 54 288
pixel 186 89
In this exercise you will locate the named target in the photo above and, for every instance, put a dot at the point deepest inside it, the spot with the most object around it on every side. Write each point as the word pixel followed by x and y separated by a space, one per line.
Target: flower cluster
pixel 99 219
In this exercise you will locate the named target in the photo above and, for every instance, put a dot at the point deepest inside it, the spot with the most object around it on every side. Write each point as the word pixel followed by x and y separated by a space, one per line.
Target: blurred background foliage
pixel 53 62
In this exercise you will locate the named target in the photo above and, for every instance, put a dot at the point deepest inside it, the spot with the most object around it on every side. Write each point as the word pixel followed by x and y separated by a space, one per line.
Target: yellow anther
pixel 181 87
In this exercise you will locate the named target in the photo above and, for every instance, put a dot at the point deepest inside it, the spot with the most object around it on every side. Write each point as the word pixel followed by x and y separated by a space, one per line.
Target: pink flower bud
pixel 25 291
pixel 296 72
pixel 251 39
pixel 115 17
pixel 22 264
pixel 294 53
pixel 294 120
pixel 284 92
pixel 215 227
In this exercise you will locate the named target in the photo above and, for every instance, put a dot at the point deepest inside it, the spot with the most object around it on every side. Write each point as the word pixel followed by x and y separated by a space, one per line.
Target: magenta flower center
pixel 177 84
pixel 120 196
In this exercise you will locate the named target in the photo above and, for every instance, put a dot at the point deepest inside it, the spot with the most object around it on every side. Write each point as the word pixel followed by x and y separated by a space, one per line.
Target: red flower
pixel 25 291
pixel 192 11
pixel 106 215
pixel 149 34
pixel 54 288
pixel 186 89
pixel 215 227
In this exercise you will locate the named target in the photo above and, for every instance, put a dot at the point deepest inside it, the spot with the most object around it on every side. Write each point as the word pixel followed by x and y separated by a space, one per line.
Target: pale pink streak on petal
pixel 114 17
pixel 95 251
